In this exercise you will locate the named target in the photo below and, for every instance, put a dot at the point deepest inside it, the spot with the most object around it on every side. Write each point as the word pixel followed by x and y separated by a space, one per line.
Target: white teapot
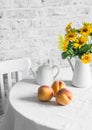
pixel 45 74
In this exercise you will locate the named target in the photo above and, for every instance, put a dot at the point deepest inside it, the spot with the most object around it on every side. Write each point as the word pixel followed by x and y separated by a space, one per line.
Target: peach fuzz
pixel 57 85
pixel 45 93
pixel 64 96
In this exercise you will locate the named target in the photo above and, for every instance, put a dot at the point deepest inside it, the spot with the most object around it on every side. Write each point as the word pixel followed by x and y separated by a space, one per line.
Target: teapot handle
pixel 57 70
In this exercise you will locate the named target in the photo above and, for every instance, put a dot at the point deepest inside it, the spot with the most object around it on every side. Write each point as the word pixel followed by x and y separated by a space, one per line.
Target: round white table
pixel 32 114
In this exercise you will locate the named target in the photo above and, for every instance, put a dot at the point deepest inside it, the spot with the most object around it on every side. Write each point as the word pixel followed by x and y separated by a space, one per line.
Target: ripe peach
pixel 64 96
pixel 45 93
pixel 57 85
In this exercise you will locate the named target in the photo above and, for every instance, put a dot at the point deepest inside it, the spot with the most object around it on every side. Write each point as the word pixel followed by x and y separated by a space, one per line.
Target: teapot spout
pixel 33 73
pixel 70 64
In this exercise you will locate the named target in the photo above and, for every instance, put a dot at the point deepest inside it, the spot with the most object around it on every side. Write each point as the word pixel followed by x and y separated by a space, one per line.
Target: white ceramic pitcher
pixel 45 74
pixel 81 74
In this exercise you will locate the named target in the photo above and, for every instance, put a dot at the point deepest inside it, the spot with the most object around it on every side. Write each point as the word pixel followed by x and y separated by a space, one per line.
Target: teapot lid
pixel 44 66
pixel 47 63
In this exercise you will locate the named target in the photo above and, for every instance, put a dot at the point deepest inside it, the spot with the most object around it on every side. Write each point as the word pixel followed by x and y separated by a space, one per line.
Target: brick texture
pixel 30 27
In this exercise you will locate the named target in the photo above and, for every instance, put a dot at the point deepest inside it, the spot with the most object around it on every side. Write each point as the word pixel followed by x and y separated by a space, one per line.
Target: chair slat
pixel 19 76
pixel 2 92
pixel 9 80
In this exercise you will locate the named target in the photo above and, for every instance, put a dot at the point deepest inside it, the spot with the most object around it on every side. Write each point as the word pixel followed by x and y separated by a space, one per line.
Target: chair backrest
pixel 8 67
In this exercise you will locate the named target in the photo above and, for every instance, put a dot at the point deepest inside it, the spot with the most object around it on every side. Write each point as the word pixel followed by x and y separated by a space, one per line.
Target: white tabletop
pixel 75 116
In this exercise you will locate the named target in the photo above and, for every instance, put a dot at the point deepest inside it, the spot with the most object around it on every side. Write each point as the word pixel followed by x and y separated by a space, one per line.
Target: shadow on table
pixel 32 81
pixel 69 84
pixel 35 100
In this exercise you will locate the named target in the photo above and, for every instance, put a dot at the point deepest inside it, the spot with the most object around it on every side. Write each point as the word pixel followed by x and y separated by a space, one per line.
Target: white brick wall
pixel 30 27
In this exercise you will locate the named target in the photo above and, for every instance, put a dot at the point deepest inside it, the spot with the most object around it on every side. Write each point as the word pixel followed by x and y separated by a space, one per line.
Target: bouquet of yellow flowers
pixel 77 42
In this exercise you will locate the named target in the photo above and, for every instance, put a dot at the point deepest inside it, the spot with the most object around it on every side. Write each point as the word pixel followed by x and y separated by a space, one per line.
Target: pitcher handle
pixel 58 70
pixel 70 64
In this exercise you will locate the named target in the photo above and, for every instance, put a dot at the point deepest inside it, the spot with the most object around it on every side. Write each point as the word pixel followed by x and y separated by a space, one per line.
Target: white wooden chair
pixel 16 66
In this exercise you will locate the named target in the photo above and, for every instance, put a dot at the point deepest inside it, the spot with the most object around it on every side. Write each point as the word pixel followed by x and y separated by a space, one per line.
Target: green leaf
pixel 64 55
pixel 70 45
pixel 69 53
pixel 90 50
pixel 85 48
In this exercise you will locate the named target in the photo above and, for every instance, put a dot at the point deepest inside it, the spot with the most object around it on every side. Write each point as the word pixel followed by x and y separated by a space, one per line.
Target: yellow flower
pixel 65 45
pixel 75 42
pixel 70 36
pixel 68 26
pixel 79 42
pixel 86 29
pixel 62 44
pixel 86 58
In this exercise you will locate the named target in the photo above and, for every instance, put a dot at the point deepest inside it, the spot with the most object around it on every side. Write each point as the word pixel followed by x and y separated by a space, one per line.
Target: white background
pixel 30 27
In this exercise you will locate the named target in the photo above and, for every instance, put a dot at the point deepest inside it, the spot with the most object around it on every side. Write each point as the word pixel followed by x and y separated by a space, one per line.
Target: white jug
pixel 81 74
pixel 45 74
